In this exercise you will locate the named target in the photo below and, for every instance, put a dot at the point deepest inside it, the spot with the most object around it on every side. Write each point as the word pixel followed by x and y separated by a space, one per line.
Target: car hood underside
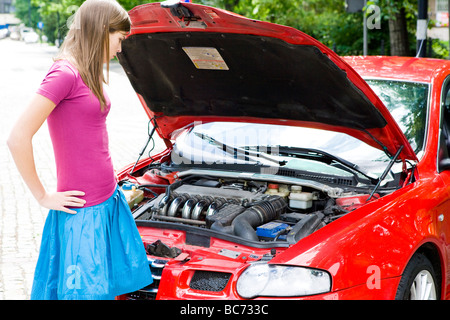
pixel 276 76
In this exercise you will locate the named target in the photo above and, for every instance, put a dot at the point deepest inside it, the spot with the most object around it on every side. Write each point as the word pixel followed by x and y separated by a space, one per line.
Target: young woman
pixel 90 248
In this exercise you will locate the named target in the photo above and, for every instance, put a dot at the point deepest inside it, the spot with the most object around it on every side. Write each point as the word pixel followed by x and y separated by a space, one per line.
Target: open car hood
pixel 191 63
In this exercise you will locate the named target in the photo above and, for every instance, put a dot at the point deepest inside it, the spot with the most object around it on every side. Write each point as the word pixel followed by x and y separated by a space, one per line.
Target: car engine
pixel 252 210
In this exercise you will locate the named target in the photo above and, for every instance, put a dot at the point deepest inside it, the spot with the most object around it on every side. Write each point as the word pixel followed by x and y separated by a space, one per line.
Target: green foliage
pixel 55 14
pixel 440 49
pixel 27 12
pixel 325 20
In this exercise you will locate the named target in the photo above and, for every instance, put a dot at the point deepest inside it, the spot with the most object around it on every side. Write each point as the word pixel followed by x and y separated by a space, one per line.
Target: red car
pixel 289 172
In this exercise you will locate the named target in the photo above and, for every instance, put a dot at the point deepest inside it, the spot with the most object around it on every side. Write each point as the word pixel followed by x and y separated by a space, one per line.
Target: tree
pixel 325 20
pixel 55 14
pixel 27 12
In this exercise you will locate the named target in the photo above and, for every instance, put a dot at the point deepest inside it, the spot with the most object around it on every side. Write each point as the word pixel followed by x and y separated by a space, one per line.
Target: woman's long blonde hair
pixel 87 42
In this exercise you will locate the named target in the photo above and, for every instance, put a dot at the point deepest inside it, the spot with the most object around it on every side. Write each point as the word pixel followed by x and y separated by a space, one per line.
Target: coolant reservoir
pixel 299 199
pixel 132 195
pixel 281 190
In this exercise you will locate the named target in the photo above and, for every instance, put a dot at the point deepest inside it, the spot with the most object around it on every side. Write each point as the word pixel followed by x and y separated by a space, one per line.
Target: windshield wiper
pixel 322 156
pixel 252 152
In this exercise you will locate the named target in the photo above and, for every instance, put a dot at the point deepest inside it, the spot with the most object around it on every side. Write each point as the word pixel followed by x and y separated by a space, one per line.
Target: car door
pixel 443 160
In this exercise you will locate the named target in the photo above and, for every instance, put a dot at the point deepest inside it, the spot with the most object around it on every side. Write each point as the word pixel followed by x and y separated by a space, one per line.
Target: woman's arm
pixel 20 145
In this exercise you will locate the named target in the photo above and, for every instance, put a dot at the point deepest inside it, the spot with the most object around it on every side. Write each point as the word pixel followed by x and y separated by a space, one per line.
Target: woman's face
pixel 115 43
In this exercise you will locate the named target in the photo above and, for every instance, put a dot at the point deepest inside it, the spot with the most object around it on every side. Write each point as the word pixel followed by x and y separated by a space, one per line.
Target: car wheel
pixel 418 281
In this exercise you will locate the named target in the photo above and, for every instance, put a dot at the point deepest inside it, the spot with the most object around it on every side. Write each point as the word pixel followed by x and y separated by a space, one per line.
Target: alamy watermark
pixel 70 23
pixel 373 16
pixel 240 145
pixel 374 279
pixel 74 277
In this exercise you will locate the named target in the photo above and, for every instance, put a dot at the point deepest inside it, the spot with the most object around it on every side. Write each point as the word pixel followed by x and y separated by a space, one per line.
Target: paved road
pixel 22 68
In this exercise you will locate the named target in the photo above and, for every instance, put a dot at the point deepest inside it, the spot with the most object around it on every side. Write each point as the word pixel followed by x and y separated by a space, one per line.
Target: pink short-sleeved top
pixel 77 127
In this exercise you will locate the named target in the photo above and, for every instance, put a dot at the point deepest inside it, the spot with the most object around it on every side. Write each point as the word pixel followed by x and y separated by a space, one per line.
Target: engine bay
pixel 253 210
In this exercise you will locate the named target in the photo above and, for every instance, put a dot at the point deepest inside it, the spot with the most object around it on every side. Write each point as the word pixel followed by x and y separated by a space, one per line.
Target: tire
pixel 419 281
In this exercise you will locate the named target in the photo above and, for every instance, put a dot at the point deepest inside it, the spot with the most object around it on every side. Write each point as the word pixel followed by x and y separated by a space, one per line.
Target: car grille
pixel 149 292
pixel 209 280
pixel 202 280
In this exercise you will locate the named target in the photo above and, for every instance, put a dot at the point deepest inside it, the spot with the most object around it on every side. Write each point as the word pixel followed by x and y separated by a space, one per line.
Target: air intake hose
pixel 262 212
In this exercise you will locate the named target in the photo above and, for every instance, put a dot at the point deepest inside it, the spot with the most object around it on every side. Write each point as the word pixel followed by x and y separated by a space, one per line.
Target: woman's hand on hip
pixel 61 200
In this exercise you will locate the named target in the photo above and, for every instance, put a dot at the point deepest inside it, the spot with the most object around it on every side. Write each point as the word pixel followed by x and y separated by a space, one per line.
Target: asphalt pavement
pixel 22 68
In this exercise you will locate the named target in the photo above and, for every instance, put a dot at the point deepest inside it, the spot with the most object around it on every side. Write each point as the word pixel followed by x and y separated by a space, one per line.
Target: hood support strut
pixel 150 136
pixel 385 172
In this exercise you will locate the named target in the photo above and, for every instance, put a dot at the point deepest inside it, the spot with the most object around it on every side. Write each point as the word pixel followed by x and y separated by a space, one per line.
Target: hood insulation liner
pixel 256 76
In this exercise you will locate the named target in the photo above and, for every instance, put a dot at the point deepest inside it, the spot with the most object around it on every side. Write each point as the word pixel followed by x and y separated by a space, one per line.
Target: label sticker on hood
pixel 206 58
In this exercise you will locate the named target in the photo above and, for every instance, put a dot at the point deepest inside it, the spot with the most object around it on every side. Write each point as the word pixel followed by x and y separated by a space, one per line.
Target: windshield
pixel 407 102
pixel 248 143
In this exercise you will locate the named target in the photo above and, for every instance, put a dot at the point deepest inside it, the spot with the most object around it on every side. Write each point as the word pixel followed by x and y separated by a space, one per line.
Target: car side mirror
pixel 444 164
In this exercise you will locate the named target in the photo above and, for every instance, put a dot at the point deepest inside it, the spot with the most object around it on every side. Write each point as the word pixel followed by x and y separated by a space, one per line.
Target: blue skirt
pixel 96 253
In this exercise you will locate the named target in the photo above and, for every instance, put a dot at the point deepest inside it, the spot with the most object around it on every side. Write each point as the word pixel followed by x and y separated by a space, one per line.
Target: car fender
pixel 376 241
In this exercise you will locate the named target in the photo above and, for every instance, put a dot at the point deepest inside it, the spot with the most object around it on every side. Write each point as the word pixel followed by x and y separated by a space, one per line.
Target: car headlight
pixel 262 279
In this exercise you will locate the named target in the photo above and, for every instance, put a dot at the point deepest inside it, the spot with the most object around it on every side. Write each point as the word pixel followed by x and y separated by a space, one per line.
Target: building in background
pixel 7 16
pixel 6 6
pixel 438 27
